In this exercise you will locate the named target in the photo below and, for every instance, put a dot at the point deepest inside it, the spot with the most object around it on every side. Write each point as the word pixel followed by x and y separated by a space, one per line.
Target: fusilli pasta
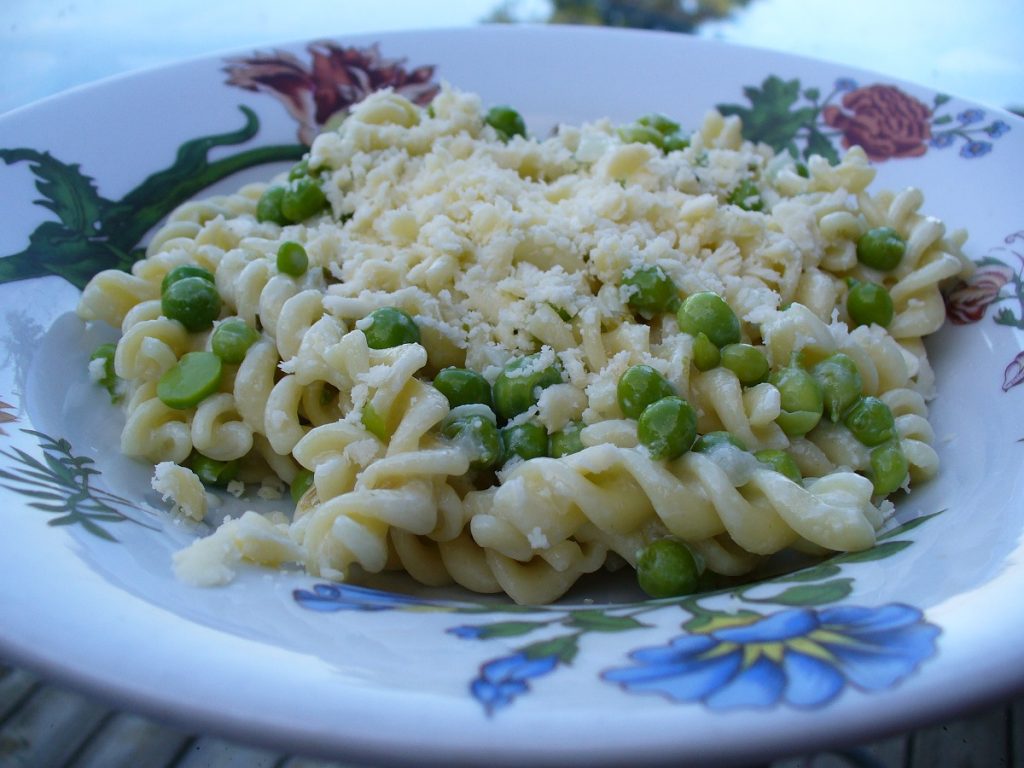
pixel 421 242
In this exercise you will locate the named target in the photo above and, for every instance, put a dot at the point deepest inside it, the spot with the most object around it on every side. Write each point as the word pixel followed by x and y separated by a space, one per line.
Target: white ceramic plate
pixel 924 624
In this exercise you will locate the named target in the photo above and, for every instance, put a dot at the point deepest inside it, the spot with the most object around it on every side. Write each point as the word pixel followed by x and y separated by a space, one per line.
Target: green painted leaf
pixel 59 485
pixel 599 621
pixel 701 620
pixel 942 120
pixel 564 648
pixel 772 116
pixel 814 573
pixel 508 629
pixel 93 233
pixel 911 525
pixel 98 531
pixel 66 190
pixel 877 552
pixel 59 470
pixel 819 144
pixel 191 172
pixel 812 594
pixel 42 495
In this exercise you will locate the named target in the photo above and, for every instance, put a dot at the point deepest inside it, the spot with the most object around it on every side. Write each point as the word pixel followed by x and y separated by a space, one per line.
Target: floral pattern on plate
pixel 804 655
pixel 999 279
pixel 883 119
pixel 63 485
pixel 337 77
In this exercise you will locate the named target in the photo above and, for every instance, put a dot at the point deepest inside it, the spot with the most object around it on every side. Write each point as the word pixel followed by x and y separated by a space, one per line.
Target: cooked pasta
pixel 505 362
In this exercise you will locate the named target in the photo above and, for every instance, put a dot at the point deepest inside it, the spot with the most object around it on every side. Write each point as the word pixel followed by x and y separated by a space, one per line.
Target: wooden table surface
pixel 45 726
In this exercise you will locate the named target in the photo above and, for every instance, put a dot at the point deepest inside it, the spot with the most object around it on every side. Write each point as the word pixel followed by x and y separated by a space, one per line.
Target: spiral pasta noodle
pixel 486 359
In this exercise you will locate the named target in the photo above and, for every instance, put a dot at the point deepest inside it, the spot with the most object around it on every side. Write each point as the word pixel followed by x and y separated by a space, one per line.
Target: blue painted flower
pixel 846 84
pixel 502 680
pixel 997 129
pixel 975 149
pixel 802 657
pixel 329 598
pixel 969 116
pixel 942 140
pixel 469 631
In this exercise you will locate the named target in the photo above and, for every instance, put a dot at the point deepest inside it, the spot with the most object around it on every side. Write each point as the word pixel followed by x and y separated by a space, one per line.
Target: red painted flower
pixel 336 78
pixel 883 120
pixel 969 300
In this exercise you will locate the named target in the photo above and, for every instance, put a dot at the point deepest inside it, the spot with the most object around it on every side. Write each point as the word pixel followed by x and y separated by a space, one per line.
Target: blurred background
pixel 970 49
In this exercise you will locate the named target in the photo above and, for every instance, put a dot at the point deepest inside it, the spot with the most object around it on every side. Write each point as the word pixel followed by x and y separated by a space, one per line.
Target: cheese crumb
pixel 182 486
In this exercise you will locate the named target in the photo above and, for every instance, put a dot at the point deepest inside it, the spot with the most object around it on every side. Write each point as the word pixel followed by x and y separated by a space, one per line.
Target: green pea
pixel 659 122
pixel 747 196
pixel 712 440
pixel 232 339
pixel 868 303
pixel 871 421
pixel 636 133
pixel 840 382
pixel 675 142
pixel 212 471
pixel 656 129
pixel 192 301
pixel 747 362
pixel 506 121
pixel 881 248
pixel 301 199
pixel 268 208
pixel 462 386
pixel 303 482
pixel 108 381
pixel 640 386
pixel 292 259
pixel 708 313
pixel 667 428
pixel 802 400
pixel 525 441
pixel 181 272
pixel 389 327
pixel 193 378
pixel 889 467
pixel 650 290
pixel 566 441
pixel 667 568
pixel 518 385
pixel 705 354
pixel 374 422
pixel 299 170
pixel 781 462
pixel 477 433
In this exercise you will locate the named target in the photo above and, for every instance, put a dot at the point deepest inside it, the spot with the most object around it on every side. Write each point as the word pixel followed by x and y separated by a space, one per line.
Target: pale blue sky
pixel 971 49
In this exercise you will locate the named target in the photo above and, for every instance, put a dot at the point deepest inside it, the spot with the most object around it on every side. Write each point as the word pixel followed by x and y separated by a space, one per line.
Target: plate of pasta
pixel 364 381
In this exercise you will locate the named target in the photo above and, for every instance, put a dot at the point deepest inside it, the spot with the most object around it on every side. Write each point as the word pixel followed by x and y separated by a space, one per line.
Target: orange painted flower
pixel 336 78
